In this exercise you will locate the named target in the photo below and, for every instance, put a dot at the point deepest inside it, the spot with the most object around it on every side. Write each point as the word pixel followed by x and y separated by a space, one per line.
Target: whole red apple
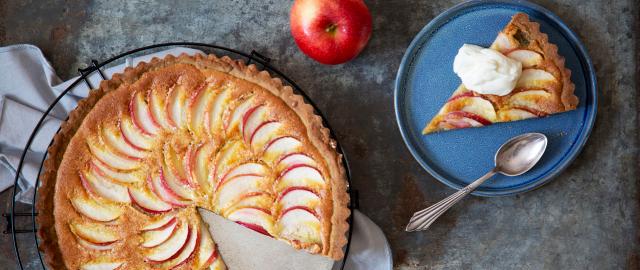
pixel 330 31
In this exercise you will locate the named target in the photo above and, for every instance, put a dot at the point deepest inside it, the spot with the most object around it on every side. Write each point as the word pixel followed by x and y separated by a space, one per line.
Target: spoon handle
pixel 422 219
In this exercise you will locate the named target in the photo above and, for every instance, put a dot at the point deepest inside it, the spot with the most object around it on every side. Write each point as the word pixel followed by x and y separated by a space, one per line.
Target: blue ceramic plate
pixel 426 80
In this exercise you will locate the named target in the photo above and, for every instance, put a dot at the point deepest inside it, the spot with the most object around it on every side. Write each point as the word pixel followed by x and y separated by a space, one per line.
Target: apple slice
pixel 102 265
pixel 292 159
pixel 535 78
pixel 263 134
pixel 298 196
pixel 475 105
pixel 99 247
pixel 88 207
pixel 462 119
pixel 161 222
pixel 515 114
pixel 198 105
pixel 133 135
pixel 213 118
pixel 154 238
pixel 218 264
pixel 94 233
pixel 234 120
pixel 171 183
pixel 188 250
pixel 99 168
pixel 171 247
pixel 253 118
pixel 160 188
pixel 114 139
pixel 234 189
pixel 148 202
pixel 300 175
pixel 261 200
pixel 246 169
pixel 502 43
pixel 104 188
pixel 111 159
pixel 207 252
pixel 301 224
pixel 142 118
pixel 232 153
pixel 279 147
pixel 200 162
pixel 526 57
pixel 174 163
pixel 157 107
pixel 176 106
pixel 530 99
pixel 259 220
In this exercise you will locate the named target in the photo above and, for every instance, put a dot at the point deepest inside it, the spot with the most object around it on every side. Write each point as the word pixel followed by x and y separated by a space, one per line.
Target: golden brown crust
pixel 521 21
pixel 317 133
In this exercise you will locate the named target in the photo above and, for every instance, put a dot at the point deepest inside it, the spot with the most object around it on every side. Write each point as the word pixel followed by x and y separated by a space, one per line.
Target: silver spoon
pixel 515 157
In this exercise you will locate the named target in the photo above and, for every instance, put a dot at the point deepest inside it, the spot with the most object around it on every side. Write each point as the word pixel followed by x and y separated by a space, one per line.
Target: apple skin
pixel 330 31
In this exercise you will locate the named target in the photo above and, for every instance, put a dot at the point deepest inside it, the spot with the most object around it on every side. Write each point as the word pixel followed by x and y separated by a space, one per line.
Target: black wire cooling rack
pixel 95 66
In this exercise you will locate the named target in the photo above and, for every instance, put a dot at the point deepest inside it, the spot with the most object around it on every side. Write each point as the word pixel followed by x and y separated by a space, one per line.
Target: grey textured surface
pixel 585 219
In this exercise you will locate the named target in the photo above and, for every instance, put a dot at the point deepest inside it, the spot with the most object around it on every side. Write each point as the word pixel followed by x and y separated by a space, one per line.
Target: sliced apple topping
pixel 198 105
pixel 526 57
pixel 530 101
pixel 153 238
pixel 99 247
pixel 246 169
pixel 259 220
pixel 301 224
pixel 298 196
pixel 157 107
pixel 279 147
pixel 99 168
pixel 103 188
pixel 160 223
pixel 114 139
pixel 171 182
pixel 476 105
pixel 232 153
pixel 262 200
pixel 252 119
pixel 102 265
pixel 213 118
pixel 175 106
pixel 300 176
pixel 200 162
pixel 188 250
pixel 531 78
pixel 173 162
pixel 94 233
pixel 111 159
pixel 235 118
pixel 292 159
pixel 161 189
pixel 148 202
pixel 234 189
pixel 207 252
pixel 503 43
pixel 263 134
pixel 515 114
pixel 170 248
pixel 141 115
pixel 133 135
pixel 88 207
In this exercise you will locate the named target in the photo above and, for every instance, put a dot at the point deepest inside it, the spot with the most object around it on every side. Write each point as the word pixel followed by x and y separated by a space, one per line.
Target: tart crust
pixel 318 135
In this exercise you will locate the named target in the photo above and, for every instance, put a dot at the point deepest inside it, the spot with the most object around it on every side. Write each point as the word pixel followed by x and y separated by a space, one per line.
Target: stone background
pixel 587 218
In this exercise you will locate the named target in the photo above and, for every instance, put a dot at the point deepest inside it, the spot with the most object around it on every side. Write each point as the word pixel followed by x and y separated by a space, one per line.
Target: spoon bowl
pixel 520 153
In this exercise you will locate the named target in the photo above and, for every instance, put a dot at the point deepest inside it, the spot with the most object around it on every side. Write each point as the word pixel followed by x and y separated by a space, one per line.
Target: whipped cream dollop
pixel 486 71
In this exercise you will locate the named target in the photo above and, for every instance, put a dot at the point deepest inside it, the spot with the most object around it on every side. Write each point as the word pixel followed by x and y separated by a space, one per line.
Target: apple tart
pixel 543 88
pixel 129 167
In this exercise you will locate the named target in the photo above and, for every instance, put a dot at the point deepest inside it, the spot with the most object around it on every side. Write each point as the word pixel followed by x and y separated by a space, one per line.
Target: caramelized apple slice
pixel 515 114
pixel 293 159
pixel 99 247
pixel 176 106
pixel 215 110
pixel 301 176
pixel 232 124
pixel 259 220
pixel 154 238
pixel 279 147
pixel 174 163
pixel 94 233
pixel 133 135
pixel 99 168
pixel 207 252
pixel 88 207
pixel 232 153
pixel 161 189
pixel 148 202
pixel 247 169
pixel 530 100
pixel 301 224
pixel 526 57
pixel 475 105
pixel 103 188
pixel 157 107
pixel 198 105
pixel 111 159
pixel 261 200
pixel 535 78
pixel 234 189
pixel 298 196
pixel 188 249
pixel 102 265
pixel 139 111
pixel 160 223
pixel 200 163
pixel 264 133
pixel 255 116
pixel 115 140
pixel 171 182
pixel 172 246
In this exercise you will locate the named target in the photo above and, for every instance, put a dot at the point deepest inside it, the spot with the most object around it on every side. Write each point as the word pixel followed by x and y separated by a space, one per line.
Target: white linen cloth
pixel 28 84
